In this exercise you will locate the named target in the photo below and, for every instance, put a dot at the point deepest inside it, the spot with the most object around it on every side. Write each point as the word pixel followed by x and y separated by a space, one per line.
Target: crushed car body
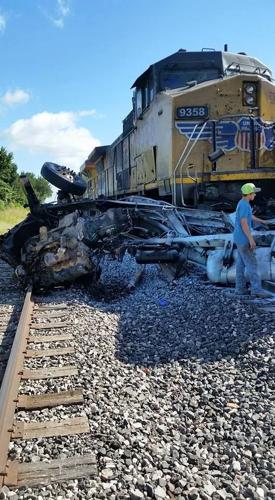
pixel 60 242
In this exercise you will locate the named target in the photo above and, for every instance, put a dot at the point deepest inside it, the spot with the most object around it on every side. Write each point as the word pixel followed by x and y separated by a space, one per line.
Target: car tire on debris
pixel 63 178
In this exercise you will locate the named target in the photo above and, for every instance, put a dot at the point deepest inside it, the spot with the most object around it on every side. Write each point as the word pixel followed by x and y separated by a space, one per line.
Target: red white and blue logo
pixel 231 134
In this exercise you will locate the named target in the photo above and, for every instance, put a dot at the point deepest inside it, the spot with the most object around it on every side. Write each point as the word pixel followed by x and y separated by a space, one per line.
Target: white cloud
pixel 56 136
pixel 63 6
pixel 2 23
pixel 87 112
pixel 18 96
pixel 63 10
pixel 59 23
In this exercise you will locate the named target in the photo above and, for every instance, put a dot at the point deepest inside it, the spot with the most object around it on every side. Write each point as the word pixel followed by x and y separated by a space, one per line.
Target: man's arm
pixel 247 232
pixel 256 219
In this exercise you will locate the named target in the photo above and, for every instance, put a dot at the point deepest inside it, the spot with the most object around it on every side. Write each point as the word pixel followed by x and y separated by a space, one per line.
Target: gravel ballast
pixel 11 302
pixel 178 383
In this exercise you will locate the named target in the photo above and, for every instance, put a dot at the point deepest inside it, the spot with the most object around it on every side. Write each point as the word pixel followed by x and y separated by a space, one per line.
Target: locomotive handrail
pixel 178 163
pixel 236 67
pixel 181 161
pixel 188 154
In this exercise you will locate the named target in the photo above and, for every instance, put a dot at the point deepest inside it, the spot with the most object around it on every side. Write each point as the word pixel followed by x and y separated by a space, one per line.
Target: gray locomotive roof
pixel 97 153
pixel 246 63
pixel 225 61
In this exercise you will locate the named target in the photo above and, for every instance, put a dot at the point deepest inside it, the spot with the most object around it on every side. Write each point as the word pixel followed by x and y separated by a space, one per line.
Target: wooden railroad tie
pixel 50 399
pixel 50 338
pixel 68 427
pixel 44 473
pixel 49 326
pixel 50 315
pixel 44 373
pixel 50 307
pixel 43 353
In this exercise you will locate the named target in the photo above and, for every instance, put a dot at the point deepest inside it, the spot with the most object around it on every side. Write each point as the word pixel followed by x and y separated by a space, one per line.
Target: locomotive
pixel 201 125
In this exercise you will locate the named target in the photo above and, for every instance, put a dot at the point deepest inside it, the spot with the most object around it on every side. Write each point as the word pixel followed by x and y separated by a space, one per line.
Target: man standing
pixel 246 258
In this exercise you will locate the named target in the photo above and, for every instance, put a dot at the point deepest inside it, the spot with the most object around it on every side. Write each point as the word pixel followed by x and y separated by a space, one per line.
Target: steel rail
pixel 11 382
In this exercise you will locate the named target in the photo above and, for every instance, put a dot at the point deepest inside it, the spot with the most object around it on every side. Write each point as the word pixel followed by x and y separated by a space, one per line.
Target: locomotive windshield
pixel 175 79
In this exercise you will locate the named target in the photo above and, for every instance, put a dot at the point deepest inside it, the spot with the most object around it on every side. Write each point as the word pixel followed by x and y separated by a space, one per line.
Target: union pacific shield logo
pixel 225 132
pixel 225 135
pixel 243 137
pixel 230 134
pixel 195 130
pixel 269 135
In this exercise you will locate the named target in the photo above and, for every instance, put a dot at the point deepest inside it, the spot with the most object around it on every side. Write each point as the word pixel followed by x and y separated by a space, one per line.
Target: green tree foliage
pixel 19 192
pixel 6 195
pixel 11 189
pixel 8 175
pixel 8 169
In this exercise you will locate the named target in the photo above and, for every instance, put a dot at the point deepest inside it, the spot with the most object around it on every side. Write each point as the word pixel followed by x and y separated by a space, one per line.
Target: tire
pixel 59 177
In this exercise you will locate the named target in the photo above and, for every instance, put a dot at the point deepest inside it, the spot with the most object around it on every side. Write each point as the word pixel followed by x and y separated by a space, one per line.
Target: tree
pixel 19 192
pixel 6 195
pixel 8 169
pixel 11 189
pixel 8 176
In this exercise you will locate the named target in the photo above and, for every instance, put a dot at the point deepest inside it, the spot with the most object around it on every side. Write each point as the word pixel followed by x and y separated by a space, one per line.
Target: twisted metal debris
pixel 59 243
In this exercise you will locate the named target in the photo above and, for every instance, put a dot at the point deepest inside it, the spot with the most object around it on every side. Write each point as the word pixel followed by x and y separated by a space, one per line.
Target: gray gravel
pixel 11 301
pixel 179 392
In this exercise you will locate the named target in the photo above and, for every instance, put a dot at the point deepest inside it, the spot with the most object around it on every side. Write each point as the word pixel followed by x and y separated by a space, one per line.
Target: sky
pixel 68 65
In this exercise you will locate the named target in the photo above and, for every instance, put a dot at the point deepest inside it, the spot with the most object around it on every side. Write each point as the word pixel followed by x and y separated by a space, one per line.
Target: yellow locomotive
pixel 202 124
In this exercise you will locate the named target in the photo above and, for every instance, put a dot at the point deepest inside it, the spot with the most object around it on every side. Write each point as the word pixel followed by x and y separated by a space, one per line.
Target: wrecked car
pixel 60 242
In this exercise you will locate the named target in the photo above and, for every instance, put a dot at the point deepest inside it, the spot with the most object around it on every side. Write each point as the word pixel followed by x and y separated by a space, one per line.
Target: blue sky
pixel 68 65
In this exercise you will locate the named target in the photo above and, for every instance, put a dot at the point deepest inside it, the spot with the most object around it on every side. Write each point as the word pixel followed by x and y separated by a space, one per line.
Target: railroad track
pixel 40 328
pixel 43 330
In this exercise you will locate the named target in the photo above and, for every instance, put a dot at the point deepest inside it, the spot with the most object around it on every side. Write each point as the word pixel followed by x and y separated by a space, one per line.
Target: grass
pixel 10 217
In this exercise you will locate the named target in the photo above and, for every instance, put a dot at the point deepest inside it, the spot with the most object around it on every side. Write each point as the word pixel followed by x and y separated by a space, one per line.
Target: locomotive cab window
pixel 143 96
pixel 138 99
pixel 173 79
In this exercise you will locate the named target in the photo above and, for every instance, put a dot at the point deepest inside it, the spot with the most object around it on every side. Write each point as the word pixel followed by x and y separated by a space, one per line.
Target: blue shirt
pixel 243 211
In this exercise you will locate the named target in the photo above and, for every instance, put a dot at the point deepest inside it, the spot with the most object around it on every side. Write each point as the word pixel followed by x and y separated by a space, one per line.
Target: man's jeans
pixel 246 261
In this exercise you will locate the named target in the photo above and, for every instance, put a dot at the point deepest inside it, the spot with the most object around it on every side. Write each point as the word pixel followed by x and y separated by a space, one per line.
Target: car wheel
pixel 63 178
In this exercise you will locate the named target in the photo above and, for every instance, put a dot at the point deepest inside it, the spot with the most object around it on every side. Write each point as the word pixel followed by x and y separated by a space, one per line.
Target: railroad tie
pixel 45 473
pixel 49 326
pixel 50 400
pixel 66 427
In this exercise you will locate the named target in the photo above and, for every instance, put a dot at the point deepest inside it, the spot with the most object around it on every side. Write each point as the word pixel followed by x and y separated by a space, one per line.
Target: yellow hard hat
pixel 249 188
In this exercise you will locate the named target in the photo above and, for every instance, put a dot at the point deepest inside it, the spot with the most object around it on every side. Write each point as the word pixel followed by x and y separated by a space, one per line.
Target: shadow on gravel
pixel 194 320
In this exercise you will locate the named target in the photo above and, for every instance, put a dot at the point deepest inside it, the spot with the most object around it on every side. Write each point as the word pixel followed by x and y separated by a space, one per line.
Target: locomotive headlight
pixel 250 88
pixel 250 100
pixel 249 94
